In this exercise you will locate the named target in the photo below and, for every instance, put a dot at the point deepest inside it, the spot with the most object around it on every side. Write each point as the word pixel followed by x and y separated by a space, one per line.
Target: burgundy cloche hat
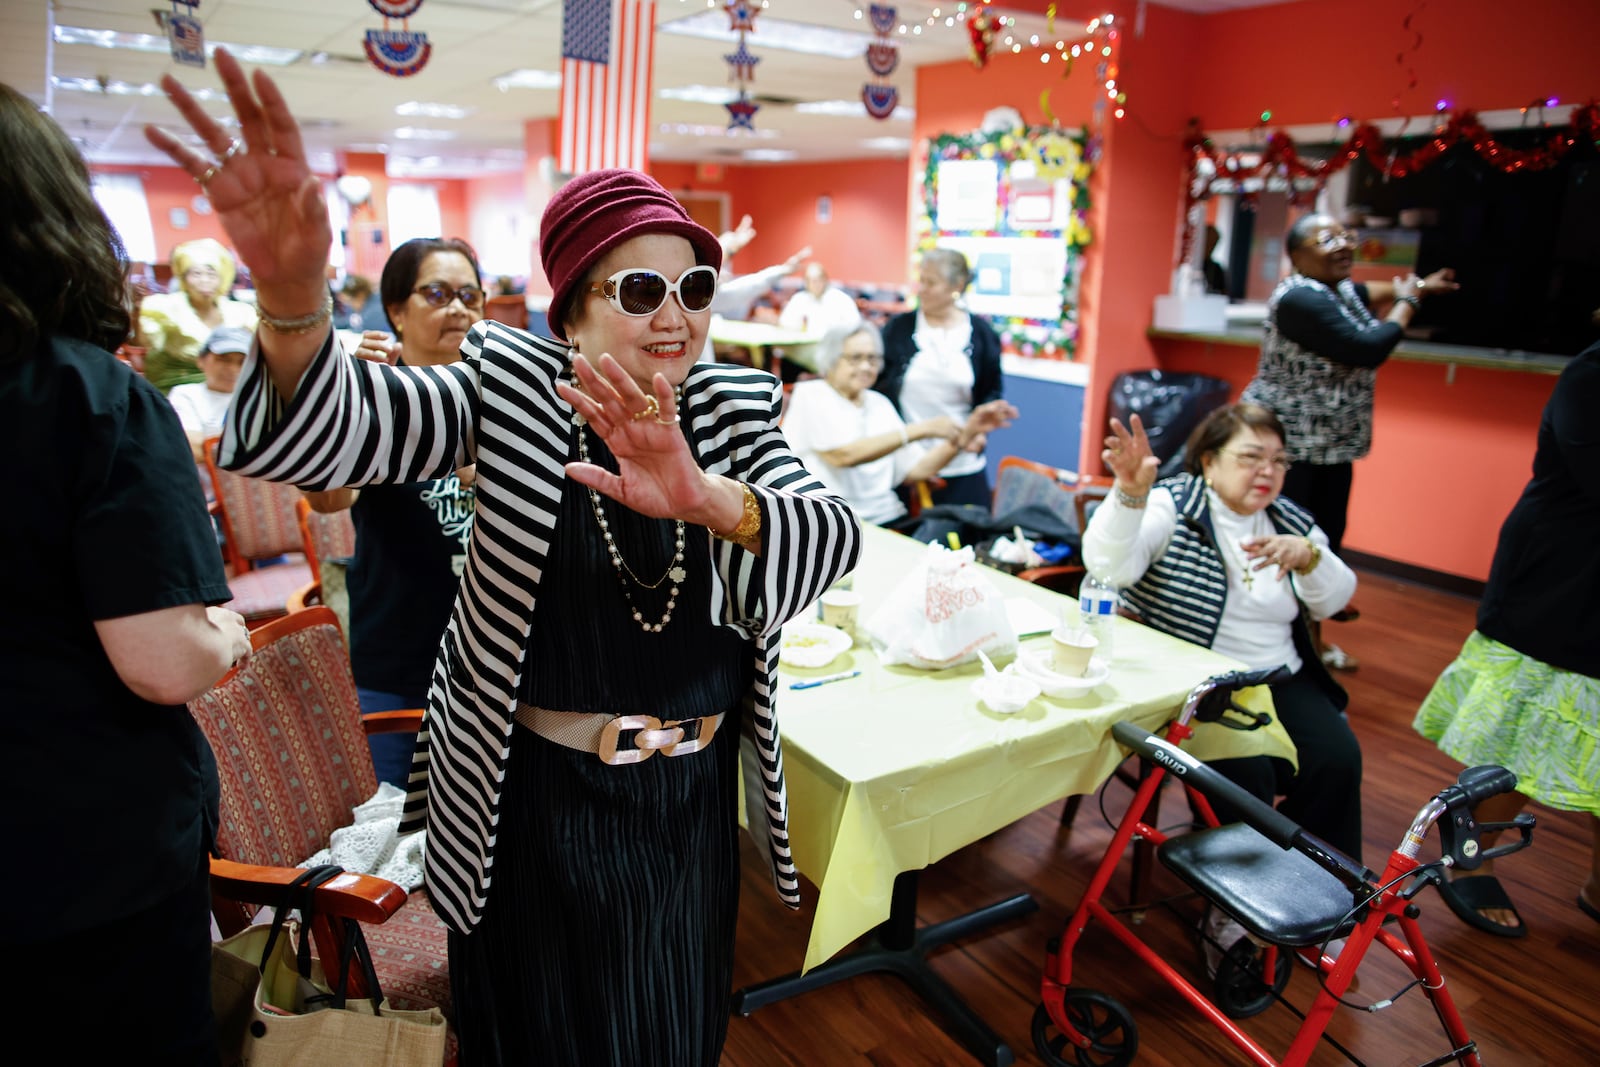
pixel 596 212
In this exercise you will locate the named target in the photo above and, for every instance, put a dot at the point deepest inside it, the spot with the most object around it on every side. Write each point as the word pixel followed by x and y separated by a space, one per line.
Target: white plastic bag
pixel 941 614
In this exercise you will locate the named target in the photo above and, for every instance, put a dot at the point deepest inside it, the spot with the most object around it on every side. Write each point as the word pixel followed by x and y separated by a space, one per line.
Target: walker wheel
pixel 1113 1035
pixel 1240 989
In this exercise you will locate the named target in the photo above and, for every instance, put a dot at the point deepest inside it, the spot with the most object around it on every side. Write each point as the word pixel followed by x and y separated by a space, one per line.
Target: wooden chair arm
pixel 363 897
pixel 1063 578
pixel 404 721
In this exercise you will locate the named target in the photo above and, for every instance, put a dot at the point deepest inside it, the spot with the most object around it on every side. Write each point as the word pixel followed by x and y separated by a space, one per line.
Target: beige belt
pixel 607 735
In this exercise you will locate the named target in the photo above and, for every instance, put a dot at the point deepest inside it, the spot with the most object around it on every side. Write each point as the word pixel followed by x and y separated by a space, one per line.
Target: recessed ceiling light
pixel 712 25
pixel 769 155
pixel 422 109
pixel 529 79
pixel 257 54
pixel 887 144
pixel 689 129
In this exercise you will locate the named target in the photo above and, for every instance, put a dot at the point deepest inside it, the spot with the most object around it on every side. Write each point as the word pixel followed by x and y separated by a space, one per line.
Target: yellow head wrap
pixel 205 252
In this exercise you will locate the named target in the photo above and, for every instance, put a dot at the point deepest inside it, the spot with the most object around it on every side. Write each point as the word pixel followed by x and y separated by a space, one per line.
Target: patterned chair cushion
pixel 330 538
pixel 261 515
pixel 263 593
pixel 294 762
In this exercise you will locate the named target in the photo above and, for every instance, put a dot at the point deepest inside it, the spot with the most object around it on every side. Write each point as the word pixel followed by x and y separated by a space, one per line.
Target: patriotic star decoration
pixel 742 62
pixel 742 113
pixel 741 16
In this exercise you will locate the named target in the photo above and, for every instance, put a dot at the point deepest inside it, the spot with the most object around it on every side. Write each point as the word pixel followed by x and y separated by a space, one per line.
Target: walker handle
pixel 1477 784
pixel 1277 828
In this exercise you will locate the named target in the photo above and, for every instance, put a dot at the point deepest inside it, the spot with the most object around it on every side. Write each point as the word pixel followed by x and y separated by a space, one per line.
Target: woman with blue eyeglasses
pixel 1216 556
pixel 411 537
pixel 641 533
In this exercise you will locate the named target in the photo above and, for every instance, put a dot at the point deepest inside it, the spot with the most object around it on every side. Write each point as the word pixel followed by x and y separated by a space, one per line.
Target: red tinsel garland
pixel 1280 155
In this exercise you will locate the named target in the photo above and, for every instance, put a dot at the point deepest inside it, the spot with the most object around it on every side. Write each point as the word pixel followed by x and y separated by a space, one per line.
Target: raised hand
pixel 260 185
pixel 1130 457
pixel 657 474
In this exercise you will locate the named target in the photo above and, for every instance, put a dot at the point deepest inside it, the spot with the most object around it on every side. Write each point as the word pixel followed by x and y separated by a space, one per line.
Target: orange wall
pixel 1449 459
pixel 167 188
pixel 868 239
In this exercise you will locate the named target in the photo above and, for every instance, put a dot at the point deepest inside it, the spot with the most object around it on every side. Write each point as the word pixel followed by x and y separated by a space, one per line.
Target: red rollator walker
pixel 1290 891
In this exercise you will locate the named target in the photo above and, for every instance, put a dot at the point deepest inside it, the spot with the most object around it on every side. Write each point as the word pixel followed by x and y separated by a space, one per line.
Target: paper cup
pixel 841 608
pixel 1071 652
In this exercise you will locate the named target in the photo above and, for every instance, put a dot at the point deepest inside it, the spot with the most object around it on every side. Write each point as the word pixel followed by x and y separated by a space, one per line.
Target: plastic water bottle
pixel 1097 607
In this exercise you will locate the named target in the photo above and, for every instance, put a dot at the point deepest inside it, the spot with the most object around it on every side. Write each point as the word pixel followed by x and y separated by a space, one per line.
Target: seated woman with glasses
pixel 855 442
pixel 411 538
pixel 1218 557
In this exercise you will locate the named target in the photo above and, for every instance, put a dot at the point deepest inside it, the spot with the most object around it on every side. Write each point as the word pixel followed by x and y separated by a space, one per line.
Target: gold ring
pixel 652 410
pixel 209 173
pixel 668 422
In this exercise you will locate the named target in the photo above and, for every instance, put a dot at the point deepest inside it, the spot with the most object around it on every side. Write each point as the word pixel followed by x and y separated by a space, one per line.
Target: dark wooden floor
pixel 1529 1001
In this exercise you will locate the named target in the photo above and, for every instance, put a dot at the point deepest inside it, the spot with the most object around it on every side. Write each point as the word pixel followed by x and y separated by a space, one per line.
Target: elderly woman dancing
pixel 642 533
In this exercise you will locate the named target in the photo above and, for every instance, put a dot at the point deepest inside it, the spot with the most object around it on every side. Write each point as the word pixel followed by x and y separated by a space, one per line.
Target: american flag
pixel 607 49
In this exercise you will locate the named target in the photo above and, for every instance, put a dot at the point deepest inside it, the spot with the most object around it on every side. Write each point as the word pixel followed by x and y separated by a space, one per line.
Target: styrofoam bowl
pixel 1034 664
pixel 1005 694
pixel 812 644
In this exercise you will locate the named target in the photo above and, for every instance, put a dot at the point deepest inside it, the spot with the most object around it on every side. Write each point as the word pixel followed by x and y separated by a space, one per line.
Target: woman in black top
pixel 1525 690
pixel 110 788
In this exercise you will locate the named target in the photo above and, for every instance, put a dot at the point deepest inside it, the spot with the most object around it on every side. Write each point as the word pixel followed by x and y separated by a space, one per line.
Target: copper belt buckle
pixel 675 737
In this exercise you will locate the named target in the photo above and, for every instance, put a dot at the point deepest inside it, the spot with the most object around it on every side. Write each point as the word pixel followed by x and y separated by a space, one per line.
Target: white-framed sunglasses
pixel 639 291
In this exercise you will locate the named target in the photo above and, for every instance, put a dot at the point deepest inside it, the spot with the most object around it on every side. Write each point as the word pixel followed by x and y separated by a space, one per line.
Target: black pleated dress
pixel 608 933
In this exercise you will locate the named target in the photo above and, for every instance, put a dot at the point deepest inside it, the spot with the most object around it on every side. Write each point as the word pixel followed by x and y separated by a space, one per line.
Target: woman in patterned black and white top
pixel 642 533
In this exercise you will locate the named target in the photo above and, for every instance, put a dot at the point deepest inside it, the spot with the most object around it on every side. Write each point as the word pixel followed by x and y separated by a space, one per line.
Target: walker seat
pixel 1279 896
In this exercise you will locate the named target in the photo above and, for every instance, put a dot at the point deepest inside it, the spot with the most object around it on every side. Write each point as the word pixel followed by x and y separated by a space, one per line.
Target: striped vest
pixel 1184 590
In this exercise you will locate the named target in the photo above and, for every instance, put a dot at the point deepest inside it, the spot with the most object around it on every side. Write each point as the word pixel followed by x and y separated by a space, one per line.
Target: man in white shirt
pixel 819 307
pixel 201 406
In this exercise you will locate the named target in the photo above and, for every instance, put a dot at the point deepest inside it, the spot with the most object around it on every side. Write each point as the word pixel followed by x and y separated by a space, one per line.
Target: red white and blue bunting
pixel 742 65
pixel 883 56
pixel 400 53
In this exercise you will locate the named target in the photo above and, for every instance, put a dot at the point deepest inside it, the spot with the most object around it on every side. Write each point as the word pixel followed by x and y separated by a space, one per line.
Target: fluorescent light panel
pixel 423 109
pixel 529 79
pixel 259 54
pixel 848 109
pixel 700 94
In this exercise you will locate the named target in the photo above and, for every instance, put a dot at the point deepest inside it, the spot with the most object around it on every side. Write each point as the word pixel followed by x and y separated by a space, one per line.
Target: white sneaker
pixel 1337 659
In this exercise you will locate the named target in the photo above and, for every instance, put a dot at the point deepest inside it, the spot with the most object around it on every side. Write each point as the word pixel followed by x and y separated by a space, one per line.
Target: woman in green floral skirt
pixel 1525 690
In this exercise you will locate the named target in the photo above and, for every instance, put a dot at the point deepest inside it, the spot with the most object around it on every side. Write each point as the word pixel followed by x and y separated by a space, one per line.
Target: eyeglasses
pixel 640 292
pixel 1327 242
pixel 866 359
pixel 438 295
pixel 1257 460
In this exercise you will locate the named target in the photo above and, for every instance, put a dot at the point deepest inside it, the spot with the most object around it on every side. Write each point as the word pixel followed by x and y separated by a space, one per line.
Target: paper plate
pixel 811 644
pixel 1034 664
pixel 1005 693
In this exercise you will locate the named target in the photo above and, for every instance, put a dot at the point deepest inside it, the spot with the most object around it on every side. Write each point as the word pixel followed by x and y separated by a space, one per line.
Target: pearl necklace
pixel 674 571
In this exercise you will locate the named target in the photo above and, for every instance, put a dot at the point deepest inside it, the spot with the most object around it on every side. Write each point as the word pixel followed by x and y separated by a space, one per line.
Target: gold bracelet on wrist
pixel 1316 557
pixel 749 528
pixel 303 324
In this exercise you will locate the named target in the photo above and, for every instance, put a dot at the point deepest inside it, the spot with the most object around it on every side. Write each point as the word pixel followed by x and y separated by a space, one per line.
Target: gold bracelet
pixel 1316 557
pixel 303 324
pixel 749 528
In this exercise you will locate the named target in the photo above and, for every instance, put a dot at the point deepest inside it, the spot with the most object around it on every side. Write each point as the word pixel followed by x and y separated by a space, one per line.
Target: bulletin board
pixel 1015 203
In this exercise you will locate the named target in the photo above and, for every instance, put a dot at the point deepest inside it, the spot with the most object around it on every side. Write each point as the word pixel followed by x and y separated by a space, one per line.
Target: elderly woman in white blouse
pixel 1217 557
pixel 855 442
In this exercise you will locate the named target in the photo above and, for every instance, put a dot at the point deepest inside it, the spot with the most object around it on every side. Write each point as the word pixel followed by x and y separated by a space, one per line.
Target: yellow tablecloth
pixel 891 771
pixel 758 338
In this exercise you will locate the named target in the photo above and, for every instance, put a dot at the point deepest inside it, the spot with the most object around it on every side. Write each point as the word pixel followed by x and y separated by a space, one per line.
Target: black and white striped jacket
pixel 1184 590
pixel 355 422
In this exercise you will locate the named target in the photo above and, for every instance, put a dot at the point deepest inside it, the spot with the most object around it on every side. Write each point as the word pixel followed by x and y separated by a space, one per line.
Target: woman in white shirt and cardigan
pixel 855 442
